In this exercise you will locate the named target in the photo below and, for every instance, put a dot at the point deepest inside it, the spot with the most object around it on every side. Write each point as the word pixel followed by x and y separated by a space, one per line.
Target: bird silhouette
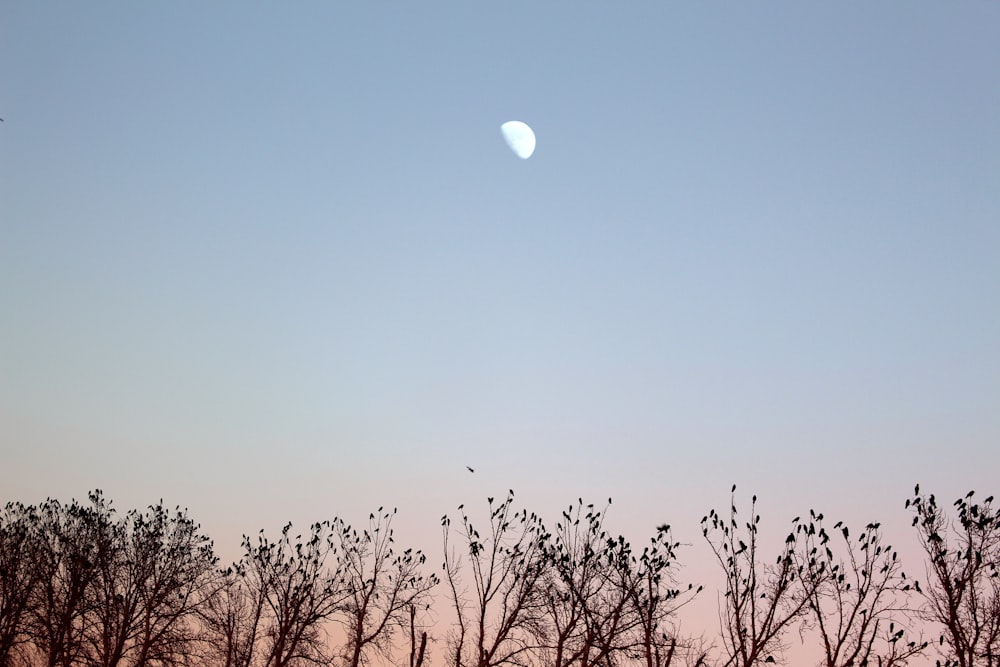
pixel 470 469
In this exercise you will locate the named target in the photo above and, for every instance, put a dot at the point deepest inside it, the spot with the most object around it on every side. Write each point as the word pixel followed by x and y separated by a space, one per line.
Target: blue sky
pixel 275 262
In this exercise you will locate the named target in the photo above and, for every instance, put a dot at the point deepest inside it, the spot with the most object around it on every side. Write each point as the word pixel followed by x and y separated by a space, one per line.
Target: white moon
pixel 519 137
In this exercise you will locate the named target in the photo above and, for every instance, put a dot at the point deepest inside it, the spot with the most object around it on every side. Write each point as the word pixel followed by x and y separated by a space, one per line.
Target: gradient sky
pixel 274 261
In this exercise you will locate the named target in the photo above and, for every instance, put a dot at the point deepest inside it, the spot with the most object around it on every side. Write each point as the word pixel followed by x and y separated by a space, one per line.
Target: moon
pixel 519 137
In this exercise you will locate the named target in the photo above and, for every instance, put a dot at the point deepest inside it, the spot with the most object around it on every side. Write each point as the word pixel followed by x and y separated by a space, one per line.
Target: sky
pixel 274 262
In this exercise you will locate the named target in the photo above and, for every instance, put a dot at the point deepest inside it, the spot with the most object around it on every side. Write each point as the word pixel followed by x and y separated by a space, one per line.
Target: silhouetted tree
pixel 761 601
pixel 416 652
pixel 146 591
pixel 963 581
pixel 384 588
pixel 75 542
pixel 500 615
pixel 19 576
pixel 603 604
pixel 293 594
pixel 587 590
pixel 230 620
pixel 656 599
pixel 857 594
pixel 81 586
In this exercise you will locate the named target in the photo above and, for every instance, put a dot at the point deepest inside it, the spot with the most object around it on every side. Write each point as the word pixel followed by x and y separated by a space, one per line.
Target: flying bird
pixel 470 469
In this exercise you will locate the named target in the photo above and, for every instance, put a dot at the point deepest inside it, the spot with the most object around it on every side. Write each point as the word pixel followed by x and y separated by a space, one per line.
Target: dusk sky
pixel 274 261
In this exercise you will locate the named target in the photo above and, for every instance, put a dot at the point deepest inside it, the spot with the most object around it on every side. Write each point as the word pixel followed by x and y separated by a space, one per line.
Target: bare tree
pixel 603 604
pixel 296 595
pixel 761 602
pixel 657 598
pixel 112 600
pixel 384 588
pixel 146 592
pixel 587 589
pixel 963 577
pixel 74 543
pixel 230 620
pixel 19 576
pixel 416 654
pixel 499 615
pixel 857 595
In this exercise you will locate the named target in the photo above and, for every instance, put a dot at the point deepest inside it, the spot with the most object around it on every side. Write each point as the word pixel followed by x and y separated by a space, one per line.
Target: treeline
pixel 82 585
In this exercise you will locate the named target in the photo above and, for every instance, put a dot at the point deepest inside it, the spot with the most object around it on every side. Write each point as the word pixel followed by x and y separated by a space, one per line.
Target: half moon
pixel 519 137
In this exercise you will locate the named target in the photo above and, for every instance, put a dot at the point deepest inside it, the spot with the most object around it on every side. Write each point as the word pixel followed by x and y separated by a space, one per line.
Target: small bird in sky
pixel 470 469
